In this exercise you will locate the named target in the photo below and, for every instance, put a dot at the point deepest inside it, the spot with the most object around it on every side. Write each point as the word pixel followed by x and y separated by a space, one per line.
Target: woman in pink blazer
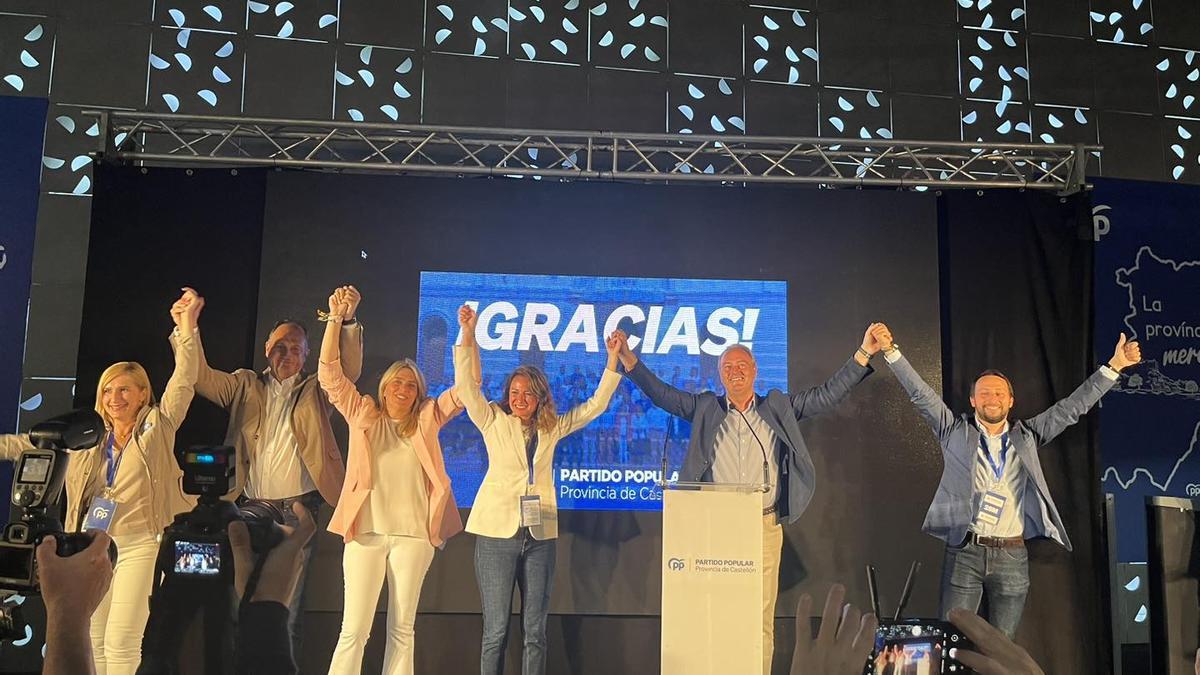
pixel 396 505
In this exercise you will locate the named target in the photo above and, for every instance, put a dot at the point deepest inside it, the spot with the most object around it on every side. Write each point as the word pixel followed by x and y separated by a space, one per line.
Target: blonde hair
pixel 410 424
pixel 545 416
pixel 132 369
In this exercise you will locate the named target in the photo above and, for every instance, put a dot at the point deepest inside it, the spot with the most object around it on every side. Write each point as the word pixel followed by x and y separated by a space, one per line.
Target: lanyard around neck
pixel 998 471
pixel 113 465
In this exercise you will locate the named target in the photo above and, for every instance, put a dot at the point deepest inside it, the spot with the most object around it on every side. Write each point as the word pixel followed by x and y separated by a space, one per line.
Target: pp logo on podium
pixel 676 564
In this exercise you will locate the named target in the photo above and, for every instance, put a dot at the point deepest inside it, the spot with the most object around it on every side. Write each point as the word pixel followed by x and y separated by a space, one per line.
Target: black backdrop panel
pixel 849 258
pixel 1017 296
pixel 153 233
pixel 1173 527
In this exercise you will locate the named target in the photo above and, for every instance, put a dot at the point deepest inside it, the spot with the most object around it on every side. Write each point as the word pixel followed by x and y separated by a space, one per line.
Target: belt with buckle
pixel 285 504
pixel 995 542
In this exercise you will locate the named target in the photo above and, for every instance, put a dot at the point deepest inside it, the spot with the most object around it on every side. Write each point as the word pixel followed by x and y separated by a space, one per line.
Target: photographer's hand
pixel 999 655
pixel 72 589
pixel 282 566
pixel 843 642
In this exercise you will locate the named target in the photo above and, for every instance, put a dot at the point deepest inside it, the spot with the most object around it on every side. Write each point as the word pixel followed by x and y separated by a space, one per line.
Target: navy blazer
pixel 956 504
pixel 782 412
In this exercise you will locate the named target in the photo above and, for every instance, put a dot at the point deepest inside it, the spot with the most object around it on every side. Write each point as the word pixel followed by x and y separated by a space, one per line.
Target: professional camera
pixel 37 487
pixel 196 544
pixel 194 570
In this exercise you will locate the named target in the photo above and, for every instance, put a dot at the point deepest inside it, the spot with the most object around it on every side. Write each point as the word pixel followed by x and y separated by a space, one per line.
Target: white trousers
pixel 119 621
pixel 364 563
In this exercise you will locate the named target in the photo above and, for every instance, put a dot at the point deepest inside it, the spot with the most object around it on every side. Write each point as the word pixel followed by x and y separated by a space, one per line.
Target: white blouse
pixel 399 499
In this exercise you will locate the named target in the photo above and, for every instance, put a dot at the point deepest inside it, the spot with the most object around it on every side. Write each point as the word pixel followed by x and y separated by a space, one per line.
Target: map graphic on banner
pixel 678 327
pixel 1167 327
pixel 1148 285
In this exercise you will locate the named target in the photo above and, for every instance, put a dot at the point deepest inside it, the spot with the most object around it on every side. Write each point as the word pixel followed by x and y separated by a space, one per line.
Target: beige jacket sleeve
pixel 12 445
pixel 181 388
pixel 215 385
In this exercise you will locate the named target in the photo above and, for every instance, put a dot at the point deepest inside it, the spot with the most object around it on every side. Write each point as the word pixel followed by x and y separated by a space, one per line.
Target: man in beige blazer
pixel 279 426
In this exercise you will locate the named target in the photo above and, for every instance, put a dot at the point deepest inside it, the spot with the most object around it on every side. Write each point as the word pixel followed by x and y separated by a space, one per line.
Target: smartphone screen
pixel 915 647
pixel 908 657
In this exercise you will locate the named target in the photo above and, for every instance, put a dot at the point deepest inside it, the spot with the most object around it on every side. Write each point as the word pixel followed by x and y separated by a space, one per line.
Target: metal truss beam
pixel 149 138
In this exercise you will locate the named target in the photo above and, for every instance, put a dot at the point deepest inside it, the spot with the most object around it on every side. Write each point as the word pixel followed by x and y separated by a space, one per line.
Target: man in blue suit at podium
pixel 748 438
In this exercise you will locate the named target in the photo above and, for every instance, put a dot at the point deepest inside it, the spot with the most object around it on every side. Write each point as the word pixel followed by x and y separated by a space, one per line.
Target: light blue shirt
pixel 739 457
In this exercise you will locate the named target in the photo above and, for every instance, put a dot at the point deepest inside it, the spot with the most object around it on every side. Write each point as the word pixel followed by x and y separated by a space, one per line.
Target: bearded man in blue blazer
pixel 993 494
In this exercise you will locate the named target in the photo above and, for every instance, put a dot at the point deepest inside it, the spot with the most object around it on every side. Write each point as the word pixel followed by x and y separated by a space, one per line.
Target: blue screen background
pixel 631 435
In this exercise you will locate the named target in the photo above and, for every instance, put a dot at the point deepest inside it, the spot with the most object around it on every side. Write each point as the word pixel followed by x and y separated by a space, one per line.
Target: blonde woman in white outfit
pixel 396 505
pixel 132 470
pixel 515 515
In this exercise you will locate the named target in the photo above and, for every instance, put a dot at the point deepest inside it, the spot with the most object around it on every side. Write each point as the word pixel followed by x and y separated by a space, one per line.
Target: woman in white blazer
pixel 515 516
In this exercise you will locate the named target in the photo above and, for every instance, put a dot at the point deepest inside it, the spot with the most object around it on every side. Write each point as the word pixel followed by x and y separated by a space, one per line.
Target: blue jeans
pixel 971 570
pixel 499 563
pixel 311 501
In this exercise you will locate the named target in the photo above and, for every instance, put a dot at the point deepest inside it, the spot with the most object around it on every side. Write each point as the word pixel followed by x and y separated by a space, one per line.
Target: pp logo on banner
pixel 3 257
pixel 1100 222
pixel 1192 490
pixel 676 564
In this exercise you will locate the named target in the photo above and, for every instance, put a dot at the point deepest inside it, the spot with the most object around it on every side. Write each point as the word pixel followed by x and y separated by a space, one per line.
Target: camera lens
pixel 263 521
pixel 258 509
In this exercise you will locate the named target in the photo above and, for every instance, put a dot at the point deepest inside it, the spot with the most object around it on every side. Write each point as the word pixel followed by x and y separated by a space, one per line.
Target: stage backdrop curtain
pixel 1016 277
pixel 153 233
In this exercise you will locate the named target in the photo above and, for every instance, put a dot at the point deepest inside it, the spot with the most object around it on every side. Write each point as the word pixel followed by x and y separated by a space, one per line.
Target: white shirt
pixel 1001 505
pixel 738 457
pixel 277 470
pixel 399 500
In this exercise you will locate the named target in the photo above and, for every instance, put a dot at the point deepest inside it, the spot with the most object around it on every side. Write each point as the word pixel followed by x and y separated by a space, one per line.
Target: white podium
pixel 712 579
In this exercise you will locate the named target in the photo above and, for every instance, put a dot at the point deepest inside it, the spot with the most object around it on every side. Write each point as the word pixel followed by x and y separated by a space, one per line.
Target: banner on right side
pixel 1148 285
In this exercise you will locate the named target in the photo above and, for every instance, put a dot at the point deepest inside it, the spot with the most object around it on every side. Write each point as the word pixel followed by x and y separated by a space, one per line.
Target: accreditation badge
pixel 992 507
pixel 100 514
pixel 531 511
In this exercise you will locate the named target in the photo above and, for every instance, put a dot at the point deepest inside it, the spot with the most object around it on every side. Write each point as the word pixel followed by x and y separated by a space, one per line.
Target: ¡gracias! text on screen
pixel 502 326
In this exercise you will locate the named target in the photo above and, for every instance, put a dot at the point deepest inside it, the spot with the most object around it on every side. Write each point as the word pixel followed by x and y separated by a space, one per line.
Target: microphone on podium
pixel 763 448
pixel 666 446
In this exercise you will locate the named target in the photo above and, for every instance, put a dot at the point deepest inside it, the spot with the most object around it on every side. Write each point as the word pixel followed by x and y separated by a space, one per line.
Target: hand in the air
pixel 1126 353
